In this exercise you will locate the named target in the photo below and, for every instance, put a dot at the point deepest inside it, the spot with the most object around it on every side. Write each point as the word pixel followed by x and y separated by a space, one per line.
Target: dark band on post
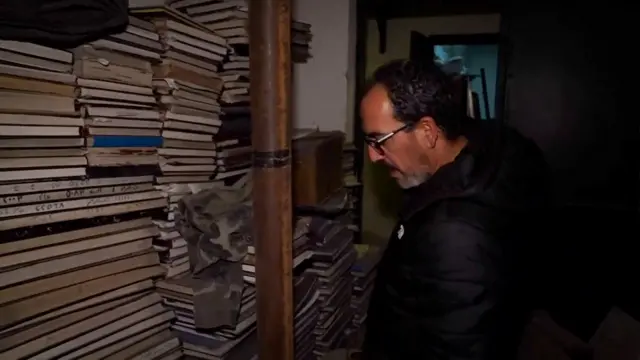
pixel 271 159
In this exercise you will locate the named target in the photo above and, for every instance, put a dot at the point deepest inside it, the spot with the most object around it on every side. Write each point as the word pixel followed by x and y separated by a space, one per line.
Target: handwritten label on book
pixel 71 194
pixel 109 210
pixel 75 204
pixel 71 184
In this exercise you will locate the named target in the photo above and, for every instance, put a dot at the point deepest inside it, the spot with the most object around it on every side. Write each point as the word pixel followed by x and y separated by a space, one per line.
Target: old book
pixel 181 71
pixel 40 120
pixel 171 152
pixel 173 179
pixel 109 112
pixel 69 204
pixel 32 288
pixel 186 136
pixel 218 6
pixel 16 312
pixel 122 123
pixel 89 93
pixel 79 187
pixel 31 324
pixel 195 32
pixel 24 143
pixel 9 82
pixel 132 344
pixel 44 131
pixel 141 24
pixel 171 101
pixel 103 70
pixel 87 52
pixel 199 66
pixel 75 335
pixel 36 50
pixel 41 162
pixel 77 247
pixel 129 38
pixel 17 59
pixel 26 153
pixel 47 327
pixel 122 160
pixel 36 74
pixel 117 330
pixel 115 131
pixel 182 160
pixel 15 175
pixel 126 49
pixel 186 110
pixel 209 18
pixel 62 237
pixel 11 276
pixel 31 103
pixel 114 86
pixel 110 295
pixel 66 215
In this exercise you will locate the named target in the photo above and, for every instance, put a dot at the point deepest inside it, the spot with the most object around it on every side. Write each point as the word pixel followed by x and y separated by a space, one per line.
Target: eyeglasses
pixel 376 142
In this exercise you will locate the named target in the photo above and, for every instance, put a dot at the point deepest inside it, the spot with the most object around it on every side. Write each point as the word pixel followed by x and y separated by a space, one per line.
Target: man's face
pixel 403 152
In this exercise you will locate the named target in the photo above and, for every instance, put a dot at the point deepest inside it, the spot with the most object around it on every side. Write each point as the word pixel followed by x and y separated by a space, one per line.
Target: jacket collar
pixel 469 173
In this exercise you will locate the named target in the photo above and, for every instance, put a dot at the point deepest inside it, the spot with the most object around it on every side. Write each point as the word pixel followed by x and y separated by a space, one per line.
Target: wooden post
pixel 270 54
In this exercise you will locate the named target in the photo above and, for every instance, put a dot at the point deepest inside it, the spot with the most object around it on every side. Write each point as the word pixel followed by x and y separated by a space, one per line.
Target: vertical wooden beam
pixel 270 54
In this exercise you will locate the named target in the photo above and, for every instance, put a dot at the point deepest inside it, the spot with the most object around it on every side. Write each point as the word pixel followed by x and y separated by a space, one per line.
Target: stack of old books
pixel 40 129
pixel 305 286
pixel 234 137
pixel 364 274
pixel 81 288
pixel 229 18
pixel 226 342
pixel 306 313
pixel 353 187
pixel 333 258
pixel 76 260
pixel 187 88
pixel 116 99
pixel 302 251
pixel 236 80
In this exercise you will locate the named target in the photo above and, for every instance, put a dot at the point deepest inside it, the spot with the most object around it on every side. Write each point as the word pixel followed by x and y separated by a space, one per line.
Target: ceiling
pixel 389 9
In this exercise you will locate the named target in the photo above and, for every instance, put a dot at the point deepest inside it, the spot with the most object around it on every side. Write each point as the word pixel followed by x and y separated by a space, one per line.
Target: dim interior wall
pixel 323 88
pixel 483 57
pixel 381 195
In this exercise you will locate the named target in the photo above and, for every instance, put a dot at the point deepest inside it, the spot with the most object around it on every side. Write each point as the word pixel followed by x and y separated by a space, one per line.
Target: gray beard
pixel 410 181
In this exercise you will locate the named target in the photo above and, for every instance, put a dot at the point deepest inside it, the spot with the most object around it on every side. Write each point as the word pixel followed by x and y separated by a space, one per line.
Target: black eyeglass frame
pixel 377 142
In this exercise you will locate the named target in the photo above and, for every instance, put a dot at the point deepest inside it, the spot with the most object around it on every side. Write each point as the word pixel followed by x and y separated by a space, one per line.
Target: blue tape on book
pixel 127 141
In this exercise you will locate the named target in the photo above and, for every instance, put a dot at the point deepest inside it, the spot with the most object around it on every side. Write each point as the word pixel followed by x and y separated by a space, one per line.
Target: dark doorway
pixel 475 56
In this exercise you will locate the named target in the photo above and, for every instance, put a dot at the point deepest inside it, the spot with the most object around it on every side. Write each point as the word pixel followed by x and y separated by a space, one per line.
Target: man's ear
pixel 428 131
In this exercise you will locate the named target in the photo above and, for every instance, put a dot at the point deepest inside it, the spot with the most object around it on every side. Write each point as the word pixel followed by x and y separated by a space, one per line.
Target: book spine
pixel 125 141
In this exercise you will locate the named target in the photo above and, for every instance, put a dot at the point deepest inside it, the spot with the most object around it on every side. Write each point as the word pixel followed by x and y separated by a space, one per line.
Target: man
pixel 453 281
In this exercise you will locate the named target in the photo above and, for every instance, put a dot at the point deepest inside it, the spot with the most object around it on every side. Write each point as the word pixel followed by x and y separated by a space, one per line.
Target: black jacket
pixel 455 280
pixel 62 24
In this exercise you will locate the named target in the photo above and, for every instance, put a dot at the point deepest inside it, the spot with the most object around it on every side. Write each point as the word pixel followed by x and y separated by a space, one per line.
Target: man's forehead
pixel 376 111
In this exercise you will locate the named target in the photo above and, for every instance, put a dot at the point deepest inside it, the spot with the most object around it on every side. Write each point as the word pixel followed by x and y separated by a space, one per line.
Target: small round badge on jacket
pixel 400 232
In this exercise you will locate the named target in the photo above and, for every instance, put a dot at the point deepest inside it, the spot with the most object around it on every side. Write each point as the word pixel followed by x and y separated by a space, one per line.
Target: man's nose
pixel 374 156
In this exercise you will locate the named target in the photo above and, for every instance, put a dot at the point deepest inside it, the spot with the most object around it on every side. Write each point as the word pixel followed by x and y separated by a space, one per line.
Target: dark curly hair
pixel 418 90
